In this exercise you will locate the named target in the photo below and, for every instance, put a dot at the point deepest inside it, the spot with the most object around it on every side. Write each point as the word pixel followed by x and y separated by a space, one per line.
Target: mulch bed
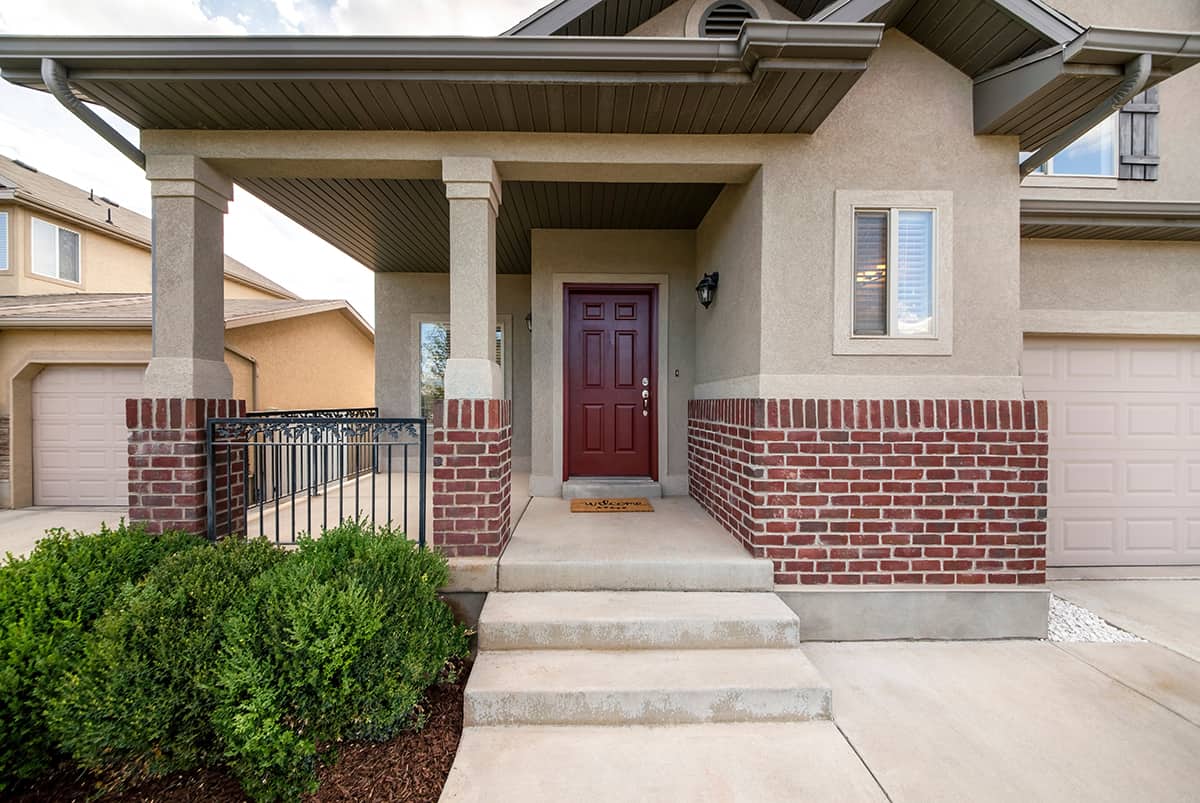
pixel 411 768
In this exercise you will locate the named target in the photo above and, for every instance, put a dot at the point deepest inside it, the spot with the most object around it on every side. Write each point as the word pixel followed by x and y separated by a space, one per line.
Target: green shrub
pixel 48 602
pixel 141 702
pixel 338 642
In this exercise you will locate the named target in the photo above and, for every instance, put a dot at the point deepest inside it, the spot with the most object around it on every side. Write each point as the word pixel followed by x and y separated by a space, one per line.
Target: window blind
pixel 870 273
pixel 914 273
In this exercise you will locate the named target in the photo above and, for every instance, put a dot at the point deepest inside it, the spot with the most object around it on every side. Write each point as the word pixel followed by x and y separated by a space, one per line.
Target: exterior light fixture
pixel 706 291
pixel 529 320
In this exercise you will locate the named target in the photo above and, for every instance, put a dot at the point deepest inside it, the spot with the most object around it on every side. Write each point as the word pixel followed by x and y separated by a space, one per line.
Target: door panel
pixel 610 428
pixel 1124 448
pixel 80 443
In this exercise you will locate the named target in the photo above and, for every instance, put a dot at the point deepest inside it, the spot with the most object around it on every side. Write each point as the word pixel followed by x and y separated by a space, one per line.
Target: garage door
pixel 79 435
pixel 1124 448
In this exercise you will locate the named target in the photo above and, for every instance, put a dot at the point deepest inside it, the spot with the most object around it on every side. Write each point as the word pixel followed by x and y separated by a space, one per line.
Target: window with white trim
pixel 3 241
pixel 435 351
pixel 55 251
pixel 893 272
pixel 1093 154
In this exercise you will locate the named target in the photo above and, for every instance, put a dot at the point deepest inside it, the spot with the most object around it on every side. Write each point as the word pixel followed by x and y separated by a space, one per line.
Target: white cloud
pixel 129 17
pixel 430 17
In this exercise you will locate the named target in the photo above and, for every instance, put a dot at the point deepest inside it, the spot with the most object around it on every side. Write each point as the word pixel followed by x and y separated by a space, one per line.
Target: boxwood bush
pixel 141 701
pixel 338 642
pixel 48 602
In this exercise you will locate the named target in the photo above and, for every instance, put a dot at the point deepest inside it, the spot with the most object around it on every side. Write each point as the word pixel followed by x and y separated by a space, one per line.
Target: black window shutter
pixel 1139 137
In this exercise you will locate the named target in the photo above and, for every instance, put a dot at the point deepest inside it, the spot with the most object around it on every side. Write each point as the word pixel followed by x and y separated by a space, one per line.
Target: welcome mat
pixel 611 506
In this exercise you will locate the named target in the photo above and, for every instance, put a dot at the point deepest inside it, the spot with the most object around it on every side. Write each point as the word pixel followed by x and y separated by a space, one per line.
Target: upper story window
pixel 892 287
pixel 1093 154
pixel 725 19
pixel 55 251
pixel 3 241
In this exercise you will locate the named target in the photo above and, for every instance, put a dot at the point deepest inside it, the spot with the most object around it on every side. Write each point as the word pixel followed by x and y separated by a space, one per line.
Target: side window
pixel 435 351
pixel 55 251
pixel 1093 154
pixel 4 241
pixel 893 273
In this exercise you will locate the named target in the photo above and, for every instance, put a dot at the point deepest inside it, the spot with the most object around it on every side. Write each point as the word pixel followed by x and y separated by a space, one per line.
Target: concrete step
pixel 624 620
pixel 611 488
pixel 743 762
pixel 625 573
pixel 644 687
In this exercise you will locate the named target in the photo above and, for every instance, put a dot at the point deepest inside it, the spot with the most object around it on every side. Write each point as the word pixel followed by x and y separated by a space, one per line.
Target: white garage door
pixel 1124 448
pixel 80 453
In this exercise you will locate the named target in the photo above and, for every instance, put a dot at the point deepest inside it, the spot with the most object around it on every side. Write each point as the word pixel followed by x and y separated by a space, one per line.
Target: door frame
pixel 655 404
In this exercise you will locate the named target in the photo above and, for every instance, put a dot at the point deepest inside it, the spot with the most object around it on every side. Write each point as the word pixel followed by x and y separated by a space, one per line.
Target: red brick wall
pixel 167 480
pixel 472 477
pixel 854 492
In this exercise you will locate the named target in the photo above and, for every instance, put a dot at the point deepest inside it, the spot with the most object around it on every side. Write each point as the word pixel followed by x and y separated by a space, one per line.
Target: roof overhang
pixel 1038 97
pixel 1109 220
pixel 776 77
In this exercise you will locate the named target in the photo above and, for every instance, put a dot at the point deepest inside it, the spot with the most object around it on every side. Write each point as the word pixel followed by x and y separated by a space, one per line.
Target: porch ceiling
pixel 404 226
pixel 776 77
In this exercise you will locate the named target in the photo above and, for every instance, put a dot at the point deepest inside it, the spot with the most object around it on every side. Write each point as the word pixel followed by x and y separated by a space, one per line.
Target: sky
pixel 37 130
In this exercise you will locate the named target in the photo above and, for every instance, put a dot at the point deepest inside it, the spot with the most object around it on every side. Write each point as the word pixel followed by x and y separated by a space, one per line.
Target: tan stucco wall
pixel 1110 287
pixel 729 242
pixel 634 257
pixel 879 138
pixel 1179 99
pixel 683 18
pixel 403 299
pixel 315 361
pixel 310 362
pixel 107 264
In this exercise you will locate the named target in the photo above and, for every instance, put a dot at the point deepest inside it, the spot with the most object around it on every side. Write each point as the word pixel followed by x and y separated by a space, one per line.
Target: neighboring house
pixel 75 319
pixel 862 398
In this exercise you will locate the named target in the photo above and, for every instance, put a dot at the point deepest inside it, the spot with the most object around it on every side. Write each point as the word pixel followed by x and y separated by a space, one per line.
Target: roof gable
pixel 614 17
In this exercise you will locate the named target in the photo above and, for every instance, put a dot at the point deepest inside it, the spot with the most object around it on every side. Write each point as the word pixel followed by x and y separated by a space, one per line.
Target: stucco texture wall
pixel 401 301
pixel 310 362
pixel 1110 275
pixel 905 126
pixel 634 257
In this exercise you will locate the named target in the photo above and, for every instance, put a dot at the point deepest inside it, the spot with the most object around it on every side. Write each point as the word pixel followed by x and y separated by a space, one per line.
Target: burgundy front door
pixel 610 382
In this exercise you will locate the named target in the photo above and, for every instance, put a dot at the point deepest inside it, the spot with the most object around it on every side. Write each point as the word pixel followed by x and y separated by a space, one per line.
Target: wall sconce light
pixel 529 320
pixel 706 291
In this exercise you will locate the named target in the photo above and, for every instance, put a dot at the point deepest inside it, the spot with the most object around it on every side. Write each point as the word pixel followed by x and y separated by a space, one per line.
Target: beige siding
pixel 235 289
pixel 310 362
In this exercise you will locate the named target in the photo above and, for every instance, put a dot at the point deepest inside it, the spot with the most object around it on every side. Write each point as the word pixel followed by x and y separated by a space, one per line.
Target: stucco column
pixel 473 187
pixel 189 200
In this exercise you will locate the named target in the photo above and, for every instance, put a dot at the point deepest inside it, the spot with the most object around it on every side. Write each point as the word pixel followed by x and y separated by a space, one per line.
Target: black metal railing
pixel 280 474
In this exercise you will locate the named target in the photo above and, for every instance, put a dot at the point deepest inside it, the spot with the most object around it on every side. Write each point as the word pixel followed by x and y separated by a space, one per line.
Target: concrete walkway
pixel 20 530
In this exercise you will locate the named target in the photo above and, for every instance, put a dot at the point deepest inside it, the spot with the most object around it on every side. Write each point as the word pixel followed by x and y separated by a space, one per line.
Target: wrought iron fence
pixel 279 474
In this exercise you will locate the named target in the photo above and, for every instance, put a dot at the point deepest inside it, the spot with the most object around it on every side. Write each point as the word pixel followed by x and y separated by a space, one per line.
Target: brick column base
pixel 168 486
pixel 472 477
pixel 854 492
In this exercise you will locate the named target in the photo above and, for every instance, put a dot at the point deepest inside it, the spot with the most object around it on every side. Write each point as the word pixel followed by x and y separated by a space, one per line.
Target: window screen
pixel 3 241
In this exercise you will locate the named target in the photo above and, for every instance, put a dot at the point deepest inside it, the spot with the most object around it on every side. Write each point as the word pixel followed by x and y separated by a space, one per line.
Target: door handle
pixel 645 403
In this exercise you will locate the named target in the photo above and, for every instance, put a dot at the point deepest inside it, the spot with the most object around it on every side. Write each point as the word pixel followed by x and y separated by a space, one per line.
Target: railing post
pixel 210 479
pixel 424 439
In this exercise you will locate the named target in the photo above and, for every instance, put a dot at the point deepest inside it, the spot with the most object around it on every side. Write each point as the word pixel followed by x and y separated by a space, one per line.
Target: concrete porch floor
pixel 678 547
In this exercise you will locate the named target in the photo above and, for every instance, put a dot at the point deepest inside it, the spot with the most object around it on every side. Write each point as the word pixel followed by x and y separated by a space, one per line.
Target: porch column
pixel 472 449
pixel 187 381
pixel 473 187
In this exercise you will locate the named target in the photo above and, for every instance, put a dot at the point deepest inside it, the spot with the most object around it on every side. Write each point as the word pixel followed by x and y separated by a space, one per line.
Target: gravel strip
pixel 1071 623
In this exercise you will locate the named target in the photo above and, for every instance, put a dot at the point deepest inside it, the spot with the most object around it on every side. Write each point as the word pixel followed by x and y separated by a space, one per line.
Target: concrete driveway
pixel 1030 720
pixel 21 529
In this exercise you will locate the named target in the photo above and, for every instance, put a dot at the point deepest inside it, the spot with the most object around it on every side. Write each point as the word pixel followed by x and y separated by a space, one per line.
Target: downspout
pixel 54 76
pixel 253 375
pixel 1137 72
